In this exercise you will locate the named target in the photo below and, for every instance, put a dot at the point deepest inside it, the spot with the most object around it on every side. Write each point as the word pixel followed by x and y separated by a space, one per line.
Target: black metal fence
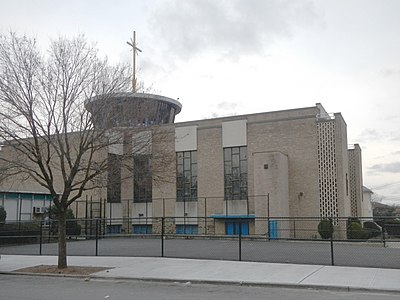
pixel 338 241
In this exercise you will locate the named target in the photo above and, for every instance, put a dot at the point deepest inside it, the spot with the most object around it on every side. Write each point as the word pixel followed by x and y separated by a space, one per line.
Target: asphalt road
pixel 298 252
pixel 15 287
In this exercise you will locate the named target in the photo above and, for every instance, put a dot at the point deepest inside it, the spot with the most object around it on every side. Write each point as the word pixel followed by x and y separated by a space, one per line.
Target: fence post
pixel 40 237
pixel 294 228
pixel 240 241
pixel 269 231
pixel 162 237
pixel 49 231
pixel 332 255
pixel 205 216
pixel 97 237
pixel 86 217
pixel 383 236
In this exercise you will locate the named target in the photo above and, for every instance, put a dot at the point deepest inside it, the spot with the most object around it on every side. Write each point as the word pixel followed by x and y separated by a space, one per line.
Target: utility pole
pixel 132 43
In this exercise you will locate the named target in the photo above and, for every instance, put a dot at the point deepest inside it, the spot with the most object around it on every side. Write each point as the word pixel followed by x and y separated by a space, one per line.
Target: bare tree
pixel 47 135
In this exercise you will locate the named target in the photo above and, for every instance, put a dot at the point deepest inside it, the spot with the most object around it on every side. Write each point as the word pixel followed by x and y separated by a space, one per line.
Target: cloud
pixel 223 109
pixel 226 106
pixel 386 168
pixel 395 136
pixel 232 28
pixel 391 72
pixel 370 134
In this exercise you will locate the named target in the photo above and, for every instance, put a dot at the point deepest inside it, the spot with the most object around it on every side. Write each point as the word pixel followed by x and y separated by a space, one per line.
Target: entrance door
pixel 273 229
pixel 233 227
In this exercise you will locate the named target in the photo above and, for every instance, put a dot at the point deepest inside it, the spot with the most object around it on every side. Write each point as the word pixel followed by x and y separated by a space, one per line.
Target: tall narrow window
pixel 142 180
pixel 186 176
pixel 114 179
pixel 235 173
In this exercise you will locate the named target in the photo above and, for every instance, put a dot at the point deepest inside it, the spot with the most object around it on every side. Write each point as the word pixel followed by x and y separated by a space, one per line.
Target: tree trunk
pixel 62 241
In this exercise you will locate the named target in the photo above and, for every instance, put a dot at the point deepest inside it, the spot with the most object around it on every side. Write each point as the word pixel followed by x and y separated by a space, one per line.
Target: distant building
pixel 366 203
pixel 290 163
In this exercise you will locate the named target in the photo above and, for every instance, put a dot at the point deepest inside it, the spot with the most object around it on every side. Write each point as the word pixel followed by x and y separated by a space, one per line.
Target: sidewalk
pixel 214 271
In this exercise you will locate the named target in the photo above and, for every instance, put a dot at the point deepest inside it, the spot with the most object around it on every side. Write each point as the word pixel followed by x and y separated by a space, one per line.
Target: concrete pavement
pixel 216 271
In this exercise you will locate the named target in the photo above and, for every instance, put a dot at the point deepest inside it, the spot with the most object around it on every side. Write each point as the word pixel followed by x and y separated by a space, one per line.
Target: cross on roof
pixel 132 43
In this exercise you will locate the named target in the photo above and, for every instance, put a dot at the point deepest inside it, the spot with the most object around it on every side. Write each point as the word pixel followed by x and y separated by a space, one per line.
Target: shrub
pixel 72 226
pixel 3 215
pixel 19 233
pixel 356 232
pixel 325 229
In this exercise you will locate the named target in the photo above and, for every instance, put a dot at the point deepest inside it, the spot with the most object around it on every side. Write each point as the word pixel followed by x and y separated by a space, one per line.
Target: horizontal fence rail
pixel 330 241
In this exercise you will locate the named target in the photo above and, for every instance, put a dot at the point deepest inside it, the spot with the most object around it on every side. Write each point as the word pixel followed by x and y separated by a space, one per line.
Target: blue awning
pixel 233 216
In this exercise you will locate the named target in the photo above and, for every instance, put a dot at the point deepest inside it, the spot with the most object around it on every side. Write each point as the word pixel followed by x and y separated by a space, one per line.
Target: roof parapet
pixel 324 116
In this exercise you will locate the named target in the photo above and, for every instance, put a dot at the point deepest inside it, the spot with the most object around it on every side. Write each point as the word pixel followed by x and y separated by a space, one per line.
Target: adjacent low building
pixel 366 203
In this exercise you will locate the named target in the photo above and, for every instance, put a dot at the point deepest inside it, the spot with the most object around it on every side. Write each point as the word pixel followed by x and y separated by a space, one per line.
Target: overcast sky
pixel 246 56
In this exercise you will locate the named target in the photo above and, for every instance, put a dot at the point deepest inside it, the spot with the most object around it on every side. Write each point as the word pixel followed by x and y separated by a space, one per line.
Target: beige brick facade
pixel 297 166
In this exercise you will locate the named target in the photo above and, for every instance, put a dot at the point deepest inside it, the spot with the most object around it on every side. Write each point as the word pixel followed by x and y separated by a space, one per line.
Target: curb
pixel 212 282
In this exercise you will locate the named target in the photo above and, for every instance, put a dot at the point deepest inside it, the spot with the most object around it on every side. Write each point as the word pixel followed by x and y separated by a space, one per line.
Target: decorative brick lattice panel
pixel 352 180
pixel 327 177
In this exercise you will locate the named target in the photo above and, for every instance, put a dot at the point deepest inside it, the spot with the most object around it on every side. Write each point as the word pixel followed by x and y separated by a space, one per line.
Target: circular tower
pixel 132 110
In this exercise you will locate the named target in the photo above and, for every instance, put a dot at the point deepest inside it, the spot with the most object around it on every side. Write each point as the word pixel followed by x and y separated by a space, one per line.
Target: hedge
pixel 22 233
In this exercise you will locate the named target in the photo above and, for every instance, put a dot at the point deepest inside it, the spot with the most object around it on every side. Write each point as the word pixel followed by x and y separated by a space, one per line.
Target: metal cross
pixel 132 43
